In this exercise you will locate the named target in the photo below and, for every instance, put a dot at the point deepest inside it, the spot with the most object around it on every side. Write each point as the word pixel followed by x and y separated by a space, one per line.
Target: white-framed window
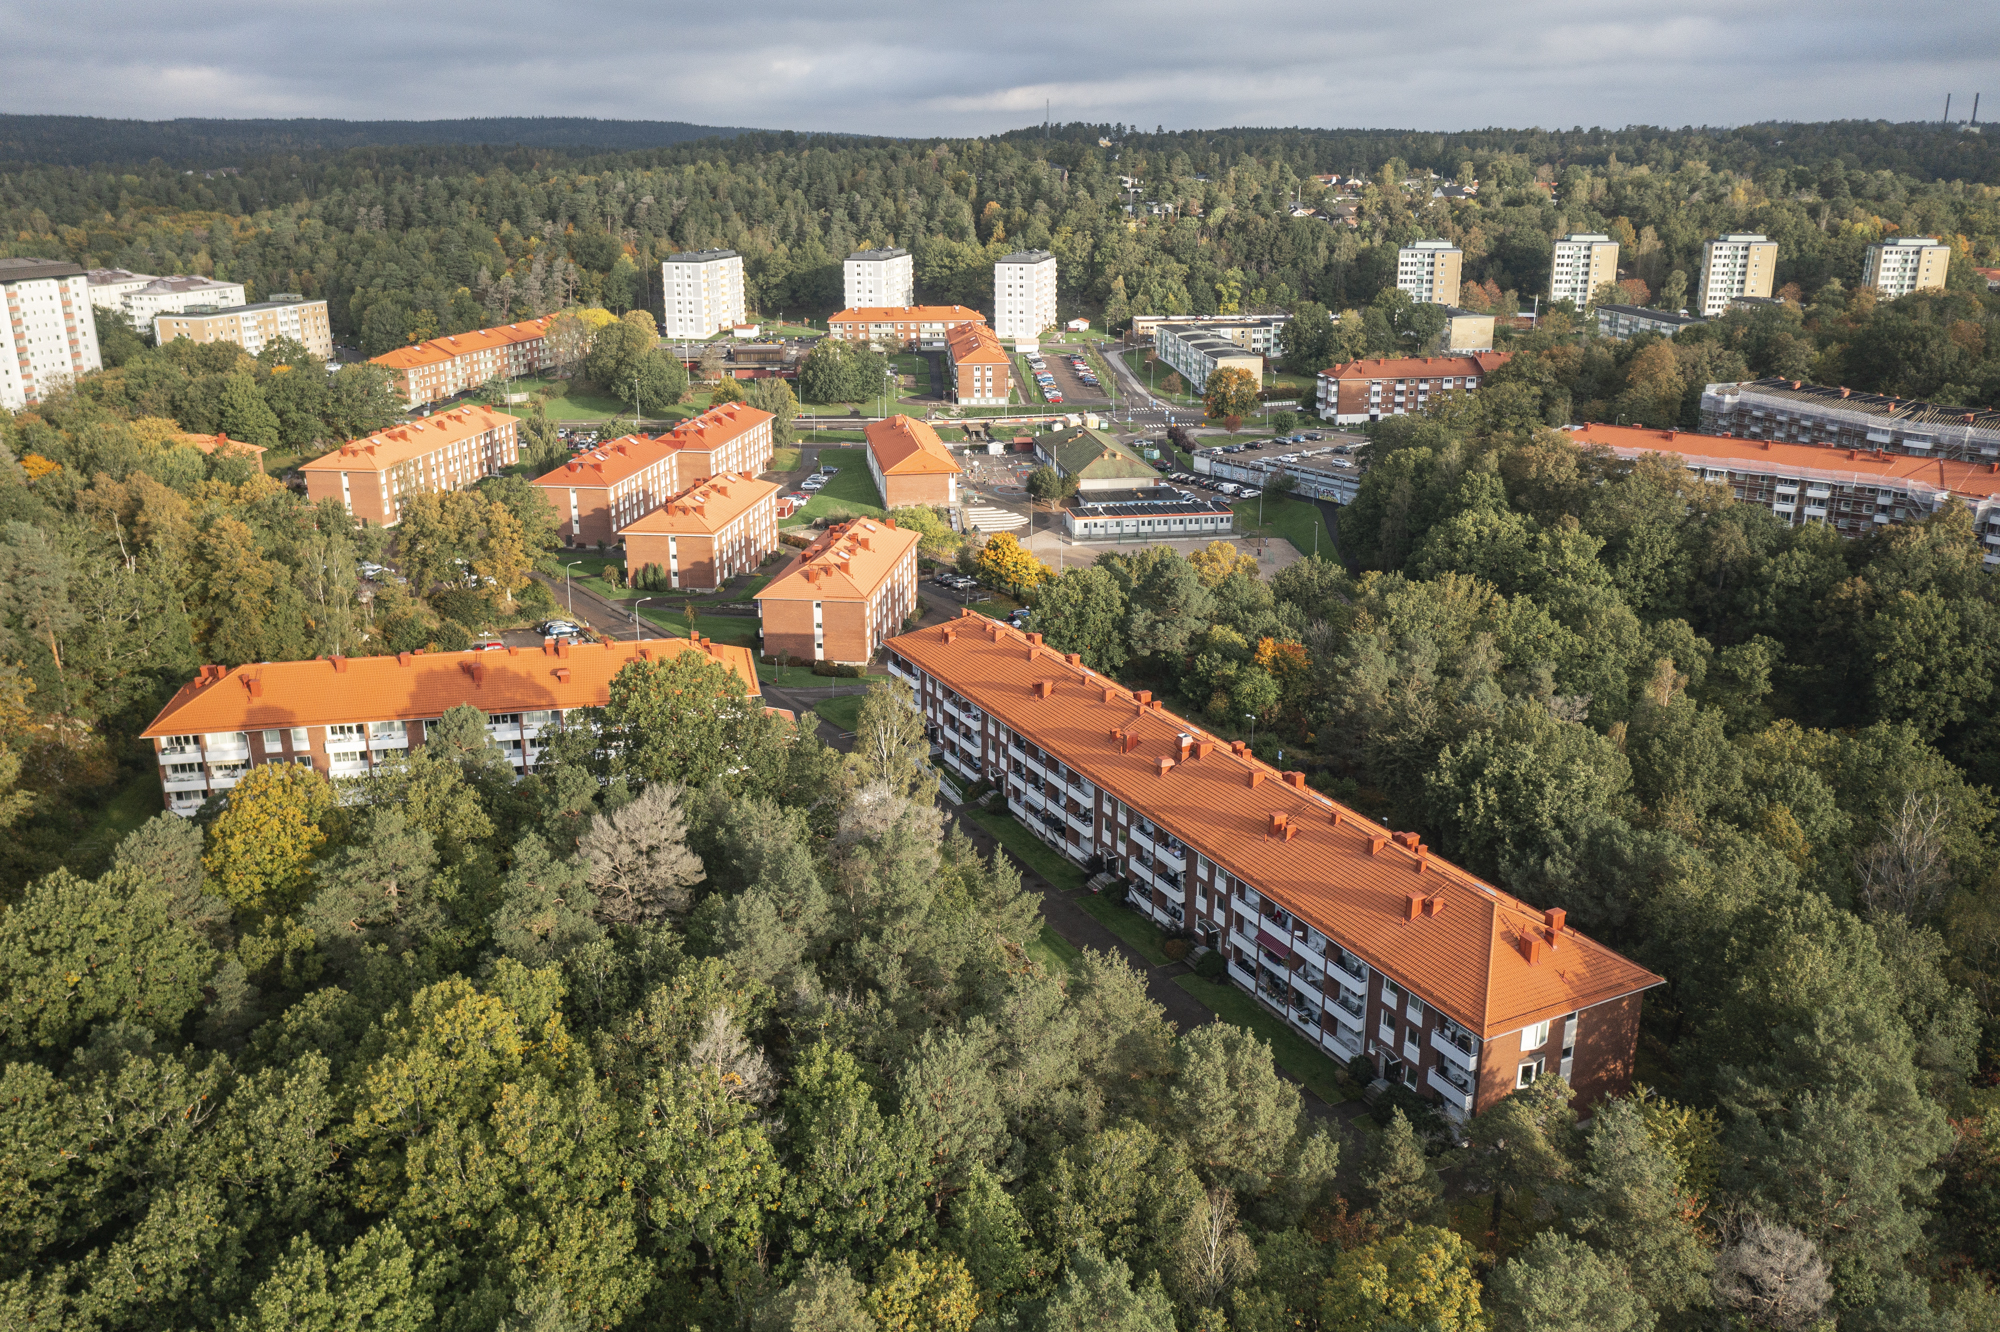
pixel 1528 1073
pixel 1535 1037
pixel 344 731
pixel 274 741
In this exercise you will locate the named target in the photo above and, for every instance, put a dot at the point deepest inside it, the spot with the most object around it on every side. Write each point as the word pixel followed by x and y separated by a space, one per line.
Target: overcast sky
pixel 898 67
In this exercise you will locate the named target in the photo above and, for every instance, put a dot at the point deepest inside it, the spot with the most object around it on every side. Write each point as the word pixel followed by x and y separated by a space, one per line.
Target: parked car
pixel 372 570
pixel 559 629
pixel 489 645
pixel 825 470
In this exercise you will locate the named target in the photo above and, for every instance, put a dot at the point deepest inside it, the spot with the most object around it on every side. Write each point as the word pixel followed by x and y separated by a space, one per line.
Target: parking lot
pixel 1057 364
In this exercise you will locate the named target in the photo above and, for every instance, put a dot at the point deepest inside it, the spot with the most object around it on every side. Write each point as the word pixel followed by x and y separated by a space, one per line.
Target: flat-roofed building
pixel 110 286
pixel 1908 263
pixel 1362 940
pixel 1430 271
pixel 171 295
pixel 284 315
pixel 982 373
pixel 1155 513
pixel 707 534
pixel 346 716
pixel 1582 262
pixel 442 367
pixel 1257 333
pixel 1741 263
pixel 910 464
pixel 1623 321
pixel 842 597
pixel 453 450
pixel 878 278
pixel 1327 470
pixel 49 336
pixel 704 292
pixel 1198 352
pixel 898 326
pixel 1795 412
pixel 1853 491
pixel 1358 391
pixel 595 494
pixel 1097 460
pixel 1024 294
pixel 1467 330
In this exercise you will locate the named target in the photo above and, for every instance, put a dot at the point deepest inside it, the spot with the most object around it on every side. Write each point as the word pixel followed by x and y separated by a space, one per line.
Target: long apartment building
pixel 597 494
pixel 1582 262
pixel 704 292
pixel 1851 490
pixel 1363 940
pixel 844 595
pixel 910 463
pixel 1356 391
pixel 452 450
pixel 1911 263
pixel 433 371
pixel 1024 294
pixel 1197 352
pixel 699 539
pixel 284 315
pixel 1733 266
pixel 1431 271
pixel 48 337
pixel 140 296
pixel 346 716
pixel 880 278
pixel 1795 412
pixel 1257 333
pixel 982 373
pixel 925 327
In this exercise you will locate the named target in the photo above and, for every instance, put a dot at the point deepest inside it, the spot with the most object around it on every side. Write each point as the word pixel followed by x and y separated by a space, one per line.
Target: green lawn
pixel 851 488
pixel 1128 925
pixel 842 710
pixel 739 630
pixel 590 407
pixel 786 460
pixel 137 801
pixel 1296 520
pixel 1038 855
pixel 1136 359
pixel 1057 955
pixel 1294 1053
pixel 791 677
pixel 918 368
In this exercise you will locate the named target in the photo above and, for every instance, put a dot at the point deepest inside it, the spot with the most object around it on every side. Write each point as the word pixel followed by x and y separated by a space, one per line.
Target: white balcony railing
pixel 1456 1100
pixel 1468 1059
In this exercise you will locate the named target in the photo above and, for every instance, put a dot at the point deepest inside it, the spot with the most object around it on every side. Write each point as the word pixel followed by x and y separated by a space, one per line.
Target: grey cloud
pixel 895 67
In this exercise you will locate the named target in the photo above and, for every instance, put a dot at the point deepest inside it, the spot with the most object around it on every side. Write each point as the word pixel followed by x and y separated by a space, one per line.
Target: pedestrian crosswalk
pixel 995 520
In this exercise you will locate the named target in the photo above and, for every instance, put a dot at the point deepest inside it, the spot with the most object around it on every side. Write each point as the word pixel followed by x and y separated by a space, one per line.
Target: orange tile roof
pixel 1420 367
pixel 906 447
pixel 848 563
pixel 462 344
pixel 1978 480
pixel 610 463
pixel 219 440
pixel 1342 872
pixel 975 344
pixel 715 427
pixel 707 507
pixel 400 443
pixel 333 691
pixel 907 314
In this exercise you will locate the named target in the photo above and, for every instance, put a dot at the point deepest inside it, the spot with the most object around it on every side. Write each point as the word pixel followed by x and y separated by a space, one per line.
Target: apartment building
pixel 443 367
pixel 1898 267
pixel 346 716
pixel 1583 261
pixel 1198 352
pixel 595 494
pixel 925 327
pixel 140 296
pixel 704 292
pixel 910 464
pixel 1357 391
pixel 1024 294
pixel 1467 330
pixel 734 437
pixel 843 596
pixel 1739 264
pixel 1430 270
pixel 706 535
pixel 1363 940
pixel 49 337
pixel 1795 412
pixel 449 451
pixel 1623 321
pixel 879 278
pixel 1255 333
pixel 110 286
pixel 982 373
pixel 1848 489
pixel 285 315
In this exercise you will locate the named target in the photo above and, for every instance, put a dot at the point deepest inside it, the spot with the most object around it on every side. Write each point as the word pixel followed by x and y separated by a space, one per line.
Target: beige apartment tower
pixel 1583 262
pixel 704 292
pixel 1898 267
pixel 1430 270
pixel 1739 264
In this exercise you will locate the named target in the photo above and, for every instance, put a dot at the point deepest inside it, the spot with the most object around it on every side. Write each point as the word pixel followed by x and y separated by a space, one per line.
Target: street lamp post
pixel 1253 732
pixel 569 590
pixel 635 616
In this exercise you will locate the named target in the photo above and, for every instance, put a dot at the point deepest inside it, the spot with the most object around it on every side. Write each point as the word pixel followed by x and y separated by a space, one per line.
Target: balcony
pixel 191 751
pixel 217 749
pixel 1465 1055
pixel 176 785
pixel 1457 1100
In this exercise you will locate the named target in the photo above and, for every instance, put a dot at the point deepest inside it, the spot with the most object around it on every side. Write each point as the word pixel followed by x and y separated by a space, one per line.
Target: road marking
pixel 995 520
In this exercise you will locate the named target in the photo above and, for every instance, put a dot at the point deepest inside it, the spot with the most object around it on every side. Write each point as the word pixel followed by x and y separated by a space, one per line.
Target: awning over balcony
pixel 1272 943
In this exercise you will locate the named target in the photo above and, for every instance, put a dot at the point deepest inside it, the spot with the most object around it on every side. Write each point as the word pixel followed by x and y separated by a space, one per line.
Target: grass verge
pixel 842 710
pixel 136 801
pixel 1127 924
pixel 736 630
pixel 1292 1051
pixel 1031 850
pixel 785 460
pixel 1057 955
pixel 1297 521
pixel 851 489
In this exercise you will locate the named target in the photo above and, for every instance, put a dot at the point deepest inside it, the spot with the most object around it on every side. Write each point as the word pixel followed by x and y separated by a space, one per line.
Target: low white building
pixel 880 278
pixel 1024 294
pixel 704 292
pixel 49 336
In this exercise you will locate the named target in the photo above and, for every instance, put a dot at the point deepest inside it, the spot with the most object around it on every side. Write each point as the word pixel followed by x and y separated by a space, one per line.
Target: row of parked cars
pixel 1084 374
pixel 1044 381
pixel 814 482
pixel 1229 488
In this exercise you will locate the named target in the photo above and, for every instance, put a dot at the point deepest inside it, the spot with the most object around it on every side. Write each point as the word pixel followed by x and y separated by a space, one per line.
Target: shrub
pixel 1176 949
pixel 465 606
pixel 838 669
pixel 1212 966
pixel 1423 1116
pixel 450 636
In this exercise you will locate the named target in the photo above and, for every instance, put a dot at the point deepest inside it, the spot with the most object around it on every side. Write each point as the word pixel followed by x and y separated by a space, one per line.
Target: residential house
pixel 452 450
pixel 910 464
pixel 842 597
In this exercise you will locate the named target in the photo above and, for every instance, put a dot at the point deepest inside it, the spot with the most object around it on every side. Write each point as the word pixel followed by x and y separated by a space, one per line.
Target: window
pixel 273 741
pixel 1529 1072
pixel 1535 1037
pixel 345 731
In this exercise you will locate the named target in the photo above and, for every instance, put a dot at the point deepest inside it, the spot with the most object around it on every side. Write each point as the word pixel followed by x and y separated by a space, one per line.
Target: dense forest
pixel 705 1025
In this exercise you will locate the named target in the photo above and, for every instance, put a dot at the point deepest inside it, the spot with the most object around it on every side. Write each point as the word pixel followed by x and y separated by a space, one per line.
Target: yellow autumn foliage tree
pixel 260 849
